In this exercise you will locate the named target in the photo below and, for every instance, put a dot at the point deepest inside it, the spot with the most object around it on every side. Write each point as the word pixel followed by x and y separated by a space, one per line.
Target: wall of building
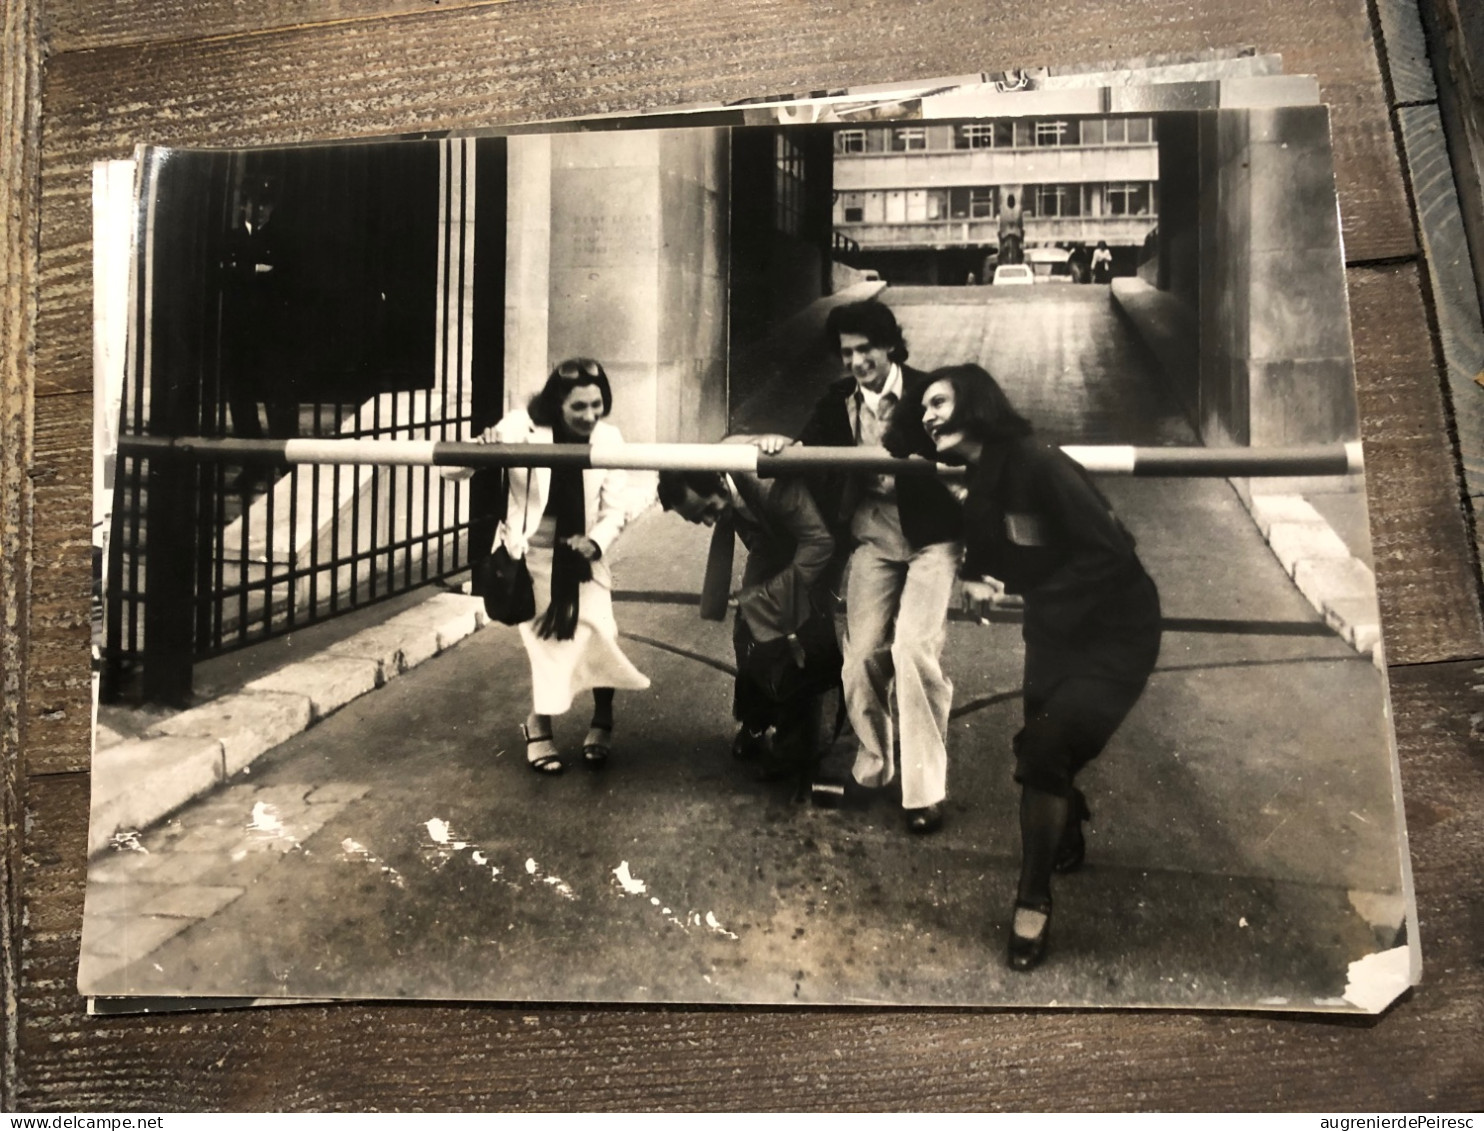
pixel 948 167
pixel 617 250
pixel 1276 364
pixel 941 186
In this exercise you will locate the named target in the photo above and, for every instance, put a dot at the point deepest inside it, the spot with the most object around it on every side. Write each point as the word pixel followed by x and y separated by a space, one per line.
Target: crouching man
pixel 784 633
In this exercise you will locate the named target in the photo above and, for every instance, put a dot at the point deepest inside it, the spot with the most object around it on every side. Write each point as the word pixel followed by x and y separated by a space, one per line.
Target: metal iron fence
pixel 208 555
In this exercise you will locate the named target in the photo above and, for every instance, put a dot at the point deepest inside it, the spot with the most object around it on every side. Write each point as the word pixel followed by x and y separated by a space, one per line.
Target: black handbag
pixel 806 662
pixel 505 583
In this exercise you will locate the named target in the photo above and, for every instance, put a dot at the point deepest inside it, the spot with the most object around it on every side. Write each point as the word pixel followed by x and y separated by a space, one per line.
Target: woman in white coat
pixel 564 521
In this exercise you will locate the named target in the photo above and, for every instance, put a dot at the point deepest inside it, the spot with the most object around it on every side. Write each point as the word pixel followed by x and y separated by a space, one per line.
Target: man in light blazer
pixel 904 538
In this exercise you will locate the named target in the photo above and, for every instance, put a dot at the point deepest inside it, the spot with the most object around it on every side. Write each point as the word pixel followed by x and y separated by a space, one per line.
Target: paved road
pixel 1063 354
pixel 1243 849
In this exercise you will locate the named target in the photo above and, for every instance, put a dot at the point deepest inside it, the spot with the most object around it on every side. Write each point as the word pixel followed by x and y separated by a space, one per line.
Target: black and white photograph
pixel 917 560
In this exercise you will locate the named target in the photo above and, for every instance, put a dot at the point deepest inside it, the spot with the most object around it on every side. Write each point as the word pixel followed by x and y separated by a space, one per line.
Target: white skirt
pixel 592 658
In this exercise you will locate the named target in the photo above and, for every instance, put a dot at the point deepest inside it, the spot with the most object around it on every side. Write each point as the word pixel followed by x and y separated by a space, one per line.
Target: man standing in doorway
pixel 905 531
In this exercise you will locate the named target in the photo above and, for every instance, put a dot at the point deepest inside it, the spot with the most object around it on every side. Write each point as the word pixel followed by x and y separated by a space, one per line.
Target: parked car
pixel 1050 264
pixel 1014 274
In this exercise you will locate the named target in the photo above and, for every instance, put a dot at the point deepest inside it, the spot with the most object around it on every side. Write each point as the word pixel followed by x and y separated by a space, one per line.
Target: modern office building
pixel 921 201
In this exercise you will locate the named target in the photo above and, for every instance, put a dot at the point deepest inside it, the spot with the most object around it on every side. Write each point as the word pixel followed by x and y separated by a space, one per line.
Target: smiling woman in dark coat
pixel 1034 521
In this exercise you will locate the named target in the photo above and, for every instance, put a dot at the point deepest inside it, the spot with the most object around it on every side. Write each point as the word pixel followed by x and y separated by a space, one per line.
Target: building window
pixel 853 207
pixel 937 204
pixel 976 135
pixel 1052 132
pixel 850 141
pixel 1116 131
pixel 912 137
pixel 1053 200
pixel 1004 135
pixel 1130 198
pixel 788 186
pixel 1140 131
pixel 972 203
pixel 1092 131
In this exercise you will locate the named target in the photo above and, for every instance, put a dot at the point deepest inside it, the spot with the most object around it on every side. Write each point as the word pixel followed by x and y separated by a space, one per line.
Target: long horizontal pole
pixel 1112 459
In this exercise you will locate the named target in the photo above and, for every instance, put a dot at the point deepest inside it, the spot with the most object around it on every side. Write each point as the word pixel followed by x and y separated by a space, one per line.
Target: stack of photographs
pixel 312 770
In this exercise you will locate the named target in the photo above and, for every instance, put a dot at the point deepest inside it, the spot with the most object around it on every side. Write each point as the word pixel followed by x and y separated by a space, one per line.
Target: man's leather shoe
pixel 748 746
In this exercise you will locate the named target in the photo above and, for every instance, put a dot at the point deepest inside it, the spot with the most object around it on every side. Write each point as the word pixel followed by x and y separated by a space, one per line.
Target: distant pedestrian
pixel 259 326
pixel 563 522
pixel 1102 263
pixel 1034 521
pixel 784 632
pixel 1011 230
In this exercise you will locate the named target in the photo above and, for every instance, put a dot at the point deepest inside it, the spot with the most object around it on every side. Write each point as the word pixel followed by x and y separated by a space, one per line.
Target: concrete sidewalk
pixel 1318 530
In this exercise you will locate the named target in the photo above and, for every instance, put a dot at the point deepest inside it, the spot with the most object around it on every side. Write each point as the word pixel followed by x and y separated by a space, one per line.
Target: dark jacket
pixel 788 550
pixel 1034 521
pixel 928 510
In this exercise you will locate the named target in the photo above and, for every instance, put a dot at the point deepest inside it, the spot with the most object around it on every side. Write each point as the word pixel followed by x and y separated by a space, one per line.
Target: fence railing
pixel 353 518
pixel 212 553
pixel 1107 459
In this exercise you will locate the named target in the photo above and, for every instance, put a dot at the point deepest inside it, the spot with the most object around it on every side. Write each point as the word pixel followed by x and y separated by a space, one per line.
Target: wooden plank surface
pixel 20 154
pixel 218 72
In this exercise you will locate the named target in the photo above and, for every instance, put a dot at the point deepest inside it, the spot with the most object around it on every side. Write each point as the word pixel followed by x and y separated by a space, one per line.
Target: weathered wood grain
pixel 58 712
pixel 540 59
pixel 1450 280
pixel 1422 1055
pixel 1421 539
pixel 20 150
pixel 1407 65
pixel 218 72
pixel 83 25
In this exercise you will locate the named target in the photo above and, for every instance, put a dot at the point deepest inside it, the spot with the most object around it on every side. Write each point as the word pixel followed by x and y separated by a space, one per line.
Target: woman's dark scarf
pixel 569 569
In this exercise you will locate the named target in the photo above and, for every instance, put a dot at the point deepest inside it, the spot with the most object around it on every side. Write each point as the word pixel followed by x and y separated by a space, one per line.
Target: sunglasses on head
pixel 579 367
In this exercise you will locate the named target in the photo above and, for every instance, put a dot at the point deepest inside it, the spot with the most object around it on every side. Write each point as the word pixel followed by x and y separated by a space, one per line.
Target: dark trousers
pixel 796 721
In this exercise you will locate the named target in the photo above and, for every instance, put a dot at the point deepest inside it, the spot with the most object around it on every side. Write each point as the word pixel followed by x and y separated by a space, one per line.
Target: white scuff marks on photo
pixel 626 880
pixel 352 849
pixel 561 886
pixel 444 844
pixel 266 824
pixel 715 925
pixel 632 885
pixel 1376 980
pixel 265 819
pixel 127 841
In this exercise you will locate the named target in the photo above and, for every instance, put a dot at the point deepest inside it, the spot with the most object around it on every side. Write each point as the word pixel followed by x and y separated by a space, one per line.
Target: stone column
pixel 631 269
pixel 1276 364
